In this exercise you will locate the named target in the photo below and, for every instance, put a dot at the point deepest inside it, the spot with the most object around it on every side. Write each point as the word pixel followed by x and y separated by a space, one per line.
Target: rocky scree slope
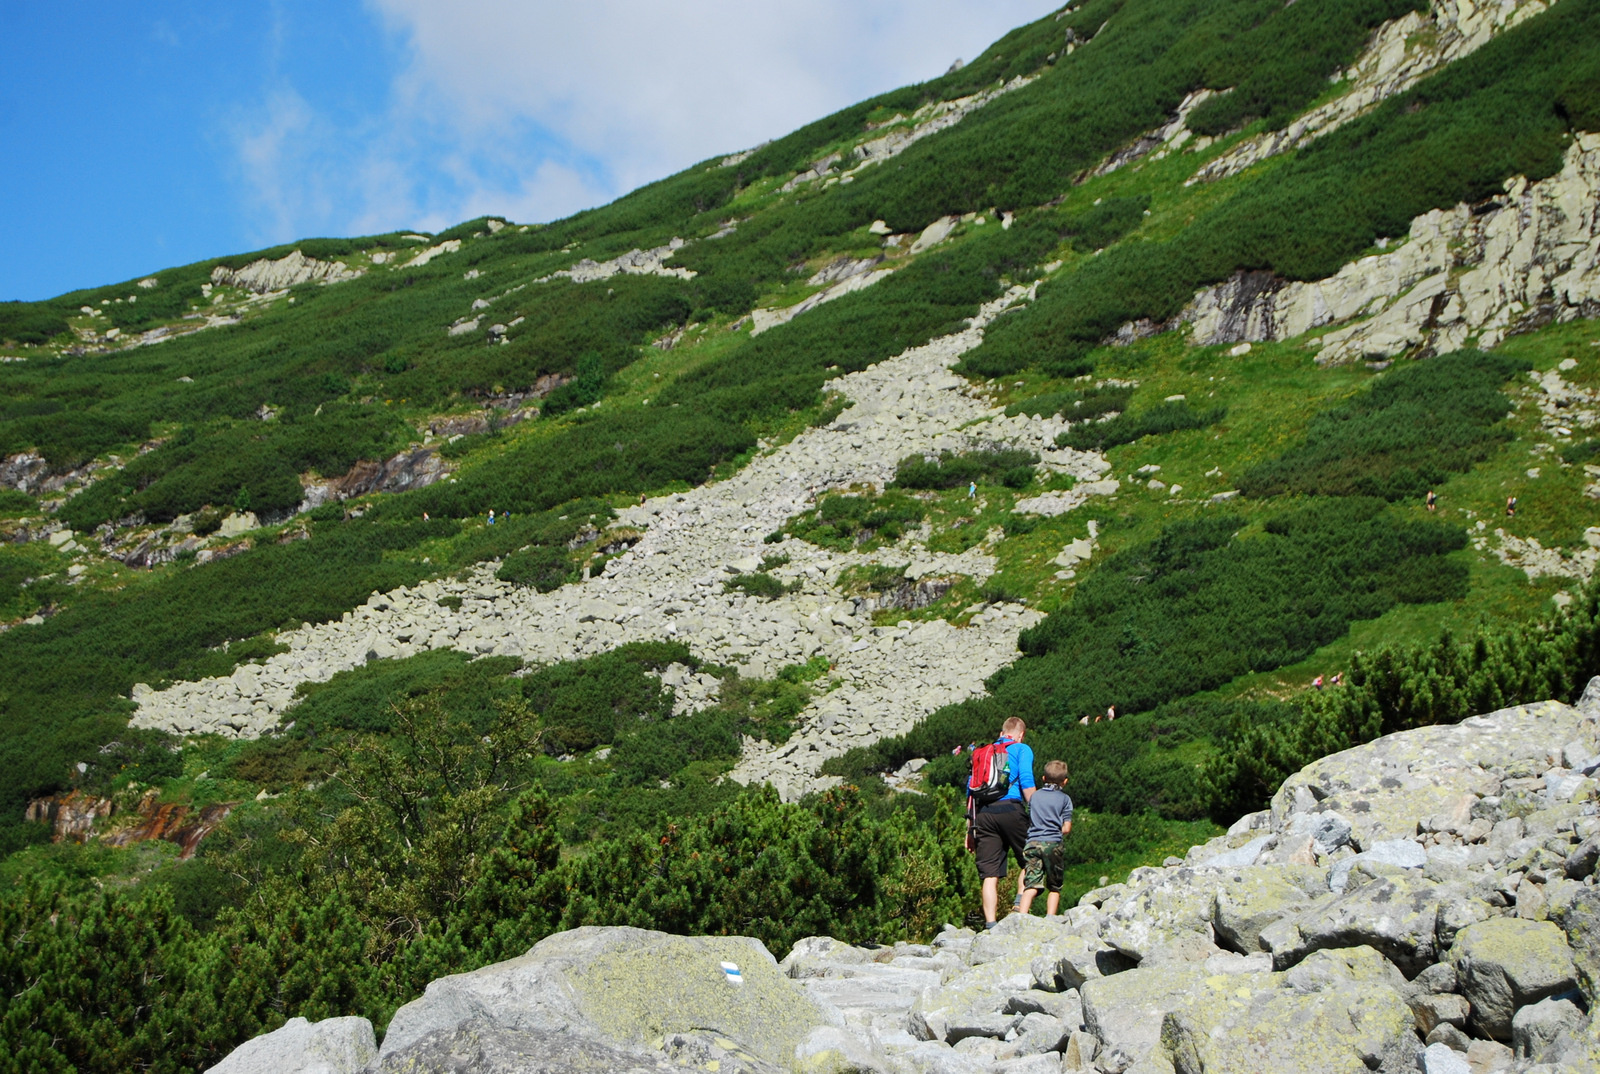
pixel 670 584
pixel 1427 901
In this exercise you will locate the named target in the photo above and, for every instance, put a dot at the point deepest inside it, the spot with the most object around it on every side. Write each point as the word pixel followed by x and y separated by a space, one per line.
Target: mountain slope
pixel 1089 374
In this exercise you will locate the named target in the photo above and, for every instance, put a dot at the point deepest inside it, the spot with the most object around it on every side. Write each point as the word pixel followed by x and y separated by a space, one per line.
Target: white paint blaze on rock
pixel 670 585
pixel 1459 277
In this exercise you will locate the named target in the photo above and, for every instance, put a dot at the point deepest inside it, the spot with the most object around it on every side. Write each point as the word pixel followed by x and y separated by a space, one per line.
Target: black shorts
pixel 999 827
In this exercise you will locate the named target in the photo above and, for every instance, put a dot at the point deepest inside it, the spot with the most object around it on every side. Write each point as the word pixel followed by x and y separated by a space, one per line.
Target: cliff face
pixel 1426 901
pixel 1470 274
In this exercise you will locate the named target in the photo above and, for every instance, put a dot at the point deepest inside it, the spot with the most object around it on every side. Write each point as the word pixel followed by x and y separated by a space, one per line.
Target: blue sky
pixel 142 135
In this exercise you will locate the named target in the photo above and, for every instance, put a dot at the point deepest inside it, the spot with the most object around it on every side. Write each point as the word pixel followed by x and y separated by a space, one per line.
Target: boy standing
pixel 1051 822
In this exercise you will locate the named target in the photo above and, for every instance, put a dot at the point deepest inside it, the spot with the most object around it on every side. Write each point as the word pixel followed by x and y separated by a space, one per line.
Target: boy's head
pixel 1055 773
pixel 1013 729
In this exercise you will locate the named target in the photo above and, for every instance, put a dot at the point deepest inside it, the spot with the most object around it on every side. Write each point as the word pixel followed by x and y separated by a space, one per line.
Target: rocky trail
pixel 669 585
pixel 1425 902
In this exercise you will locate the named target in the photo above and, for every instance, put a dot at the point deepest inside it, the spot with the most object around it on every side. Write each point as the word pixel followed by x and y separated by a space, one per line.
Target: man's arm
pixel 1066 828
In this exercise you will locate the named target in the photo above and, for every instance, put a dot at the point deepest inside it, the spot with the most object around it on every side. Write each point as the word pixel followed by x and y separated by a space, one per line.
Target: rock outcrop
pixel 1462 276
pixel 1402 53
pixel 632 263
pixel 264 276
pixel 75 816
pixel 1424 902
pixel 670 584
pixel 414 468
pixel 763 319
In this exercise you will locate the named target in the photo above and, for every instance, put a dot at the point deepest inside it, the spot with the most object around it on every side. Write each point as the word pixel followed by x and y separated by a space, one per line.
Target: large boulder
pixel 1543 1030
pixel 1507 963
pixel 1389 787
pixel 1335 1013
pixel 482 1046
pixel 624 989
pixel 1125 1012
pixel 1395 914
pixel 332 1046
pixel 1250 899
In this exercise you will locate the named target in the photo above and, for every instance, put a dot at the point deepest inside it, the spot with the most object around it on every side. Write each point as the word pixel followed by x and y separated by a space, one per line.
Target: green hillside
pixel 433 812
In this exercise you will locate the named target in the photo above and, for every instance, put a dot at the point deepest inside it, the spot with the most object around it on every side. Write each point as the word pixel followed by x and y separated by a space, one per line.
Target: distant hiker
pixel 1433 498
pixel 1338 677
pixel 491 516
pixel 641 499
pixel 997 819
pixel 1050 811
pixel 1084 721
pixel 425 516
pixel 1317 682
pixel 972 489
pixel 1111 712
pixel 1511 506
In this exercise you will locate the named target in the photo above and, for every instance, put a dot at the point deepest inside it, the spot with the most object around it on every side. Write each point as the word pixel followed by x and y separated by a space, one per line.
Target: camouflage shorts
pixel 1041 866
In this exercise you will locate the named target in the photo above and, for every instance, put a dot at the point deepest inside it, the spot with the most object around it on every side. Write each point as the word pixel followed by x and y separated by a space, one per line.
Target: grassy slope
pixel 377 346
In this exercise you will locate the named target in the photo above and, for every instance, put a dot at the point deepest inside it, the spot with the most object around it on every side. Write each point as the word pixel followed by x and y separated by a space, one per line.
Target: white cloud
pixel 535 110
pixel 645 87
pixel 275 147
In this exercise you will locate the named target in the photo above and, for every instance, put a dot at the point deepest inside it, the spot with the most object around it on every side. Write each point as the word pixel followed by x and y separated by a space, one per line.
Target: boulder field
pixel 670 583
pixel 1425 902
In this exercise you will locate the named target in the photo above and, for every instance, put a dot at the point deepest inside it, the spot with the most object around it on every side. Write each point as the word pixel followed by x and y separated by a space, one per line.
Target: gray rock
pixel 1125 1011
pixel 1581 862
pixel 1082 1047
pixel 1540 1030
pixel 1436 979
pixel 831 1050
pixel 1489 1057
pixel 1432 1011
pixel 1394 915
pixel 1448 1035
pixel 624 987
pixel 931 1057
pixel 1442 1059
pixel 331 1046
pixel 968 1024
pixel 1336 1012
pixel 1245 855
pixel 1066 1007
pixel 1403 853
pixel 1508 963
pixel 1039 1033
pixel 1250 899
pixel 484 1047
pixel 1042 1063
pixel 1581 920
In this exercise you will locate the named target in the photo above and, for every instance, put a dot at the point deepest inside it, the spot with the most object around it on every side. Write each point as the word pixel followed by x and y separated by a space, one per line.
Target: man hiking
pixel 997 820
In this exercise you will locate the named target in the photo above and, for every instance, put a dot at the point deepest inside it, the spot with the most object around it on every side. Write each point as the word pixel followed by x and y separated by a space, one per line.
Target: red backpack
pixel 991 774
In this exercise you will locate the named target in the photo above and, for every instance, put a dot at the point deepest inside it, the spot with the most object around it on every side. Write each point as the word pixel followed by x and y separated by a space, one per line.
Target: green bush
pixel 1455 137
pixel 951 470
pixel 1085 405
pixel 1401 687
pixel 845 520
pixel 756 584
pixel 1141 633
pixel 543 567
pixel 1127 427
pixel 1418 424
pixel 604 699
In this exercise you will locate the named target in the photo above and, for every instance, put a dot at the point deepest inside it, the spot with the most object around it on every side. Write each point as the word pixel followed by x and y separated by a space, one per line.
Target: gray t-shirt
pixel 1049 809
